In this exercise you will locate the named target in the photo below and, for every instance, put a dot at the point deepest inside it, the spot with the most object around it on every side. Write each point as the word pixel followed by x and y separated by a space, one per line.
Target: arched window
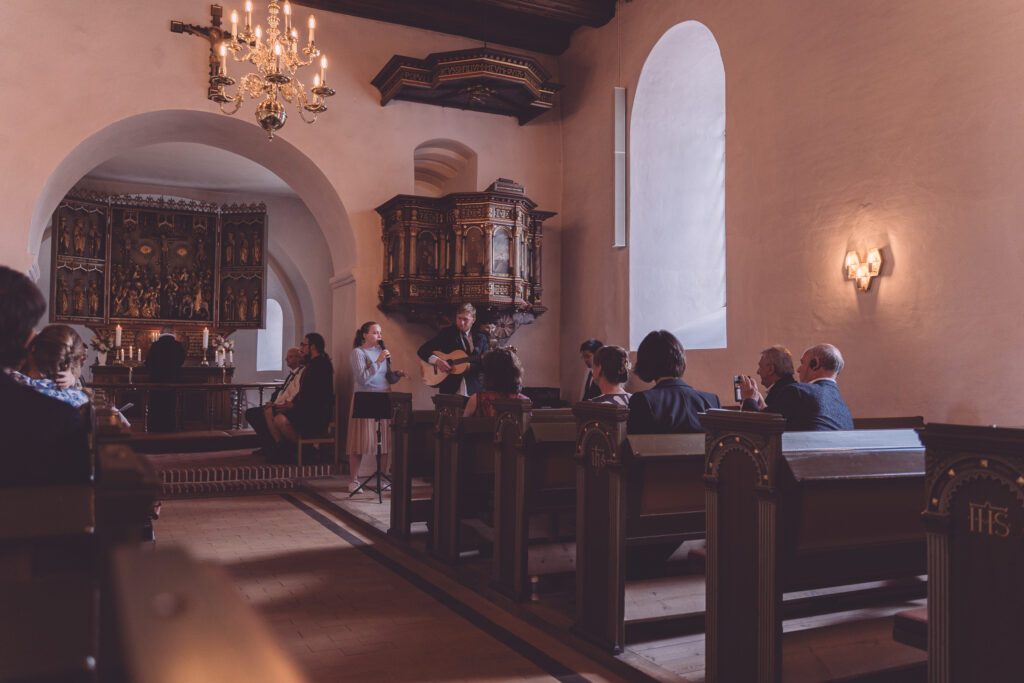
pixel 269 341
pixel 444 166
pixel 677 191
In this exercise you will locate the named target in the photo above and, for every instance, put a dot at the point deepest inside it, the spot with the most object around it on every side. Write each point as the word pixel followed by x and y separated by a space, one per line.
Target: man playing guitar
pixel 461 374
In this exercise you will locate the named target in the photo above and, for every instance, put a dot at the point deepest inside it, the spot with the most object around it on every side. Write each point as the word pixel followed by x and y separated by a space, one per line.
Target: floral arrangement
pixel 101 343
pixel 219 343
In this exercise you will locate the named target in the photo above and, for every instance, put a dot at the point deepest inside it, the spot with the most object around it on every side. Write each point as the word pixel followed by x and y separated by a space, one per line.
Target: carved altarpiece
pixel 144 262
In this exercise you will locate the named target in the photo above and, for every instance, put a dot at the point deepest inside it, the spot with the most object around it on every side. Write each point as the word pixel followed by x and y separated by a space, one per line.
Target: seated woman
pixel 611 371
pixel 503 378
pixel 54 365
pixel 671 405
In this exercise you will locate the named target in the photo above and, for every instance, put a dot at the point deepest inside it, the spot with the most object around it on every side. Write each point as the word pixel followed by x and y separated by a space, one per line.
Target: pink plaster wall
pixel 848 124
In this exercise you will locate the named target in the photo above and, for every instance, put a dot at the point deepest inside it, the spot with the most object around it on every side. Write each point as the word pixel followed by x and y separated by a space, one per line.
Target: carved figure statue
pixel 200 250
pixel 64 233
pixel 229 250
pixel 243 305
pixel 95 242
pixel 79 237
pixel 228 304
pixel 62 297
pixel 257 249
pixel 94 299
pixel 78 298
pixel 255 305
pixel 133 304
pixel 243 251
pixel 127 258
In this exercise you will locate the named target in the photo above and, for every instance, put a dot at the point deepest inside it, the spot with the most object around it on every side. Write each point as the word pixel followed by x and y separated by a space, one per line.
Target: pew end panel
pixel 534 473
pixel 974 515
pixel 401 474
pixel 463 474
pixel 600 525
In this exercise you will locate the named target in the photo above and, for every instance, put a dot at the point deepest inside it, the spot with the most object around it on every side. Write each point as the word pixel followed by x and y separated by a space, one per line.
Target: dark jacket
pixel 816 407
pixel 778 399
pixel 314 404
pixel 166 356
pixel 669 407
pixel 447 340
pixel 45 440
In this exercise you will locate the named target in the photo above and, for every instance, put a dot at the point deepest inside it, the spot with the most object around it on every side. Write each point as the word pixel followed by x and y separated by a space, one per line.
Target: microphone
pixel 380 343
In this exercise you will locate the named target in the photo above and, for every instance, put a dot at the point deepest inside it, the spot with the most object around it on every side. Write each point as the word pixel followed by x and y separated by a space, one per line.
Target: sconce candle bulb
pixel 862 272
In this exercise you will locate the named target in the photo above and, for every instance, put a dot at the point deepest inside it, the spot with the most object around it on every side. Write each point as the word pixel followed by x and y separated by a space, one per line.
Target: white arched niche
pixel 677 191
pixel 270 339
pixel 444 166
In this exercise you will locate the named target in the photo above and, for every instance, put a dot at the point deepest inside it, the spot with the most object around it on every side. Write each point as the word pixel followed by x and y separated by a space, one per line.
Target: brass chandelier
pixel 277 57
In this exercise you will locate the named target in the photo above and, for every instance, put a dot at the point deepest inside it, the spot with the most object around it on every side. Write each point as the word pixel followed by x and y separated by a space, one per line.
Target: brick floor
pixel 342 614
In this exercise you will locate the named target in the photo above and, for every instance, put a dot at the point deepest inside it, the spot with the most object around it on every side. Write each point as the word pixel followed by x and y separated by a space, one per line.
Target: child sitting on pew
pixel 54 365
pixel 503 378
pixel 611 371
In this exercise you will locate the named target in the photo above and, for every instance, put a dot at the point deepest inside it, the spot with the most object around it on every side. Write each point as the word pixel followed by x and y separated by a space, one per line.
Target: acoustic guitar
pixel 432 376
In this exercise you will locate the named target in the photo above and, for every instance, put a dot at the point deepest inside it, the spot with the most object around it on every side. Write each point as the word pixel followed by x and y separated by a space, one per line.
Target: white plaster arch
pixel 677 191
pixel 442 166
pixel 215 130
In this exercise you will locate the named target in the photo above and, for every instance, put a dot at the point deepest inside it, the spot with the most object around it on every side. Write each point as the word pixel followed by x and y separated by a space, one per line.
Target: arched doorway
pixel 336 315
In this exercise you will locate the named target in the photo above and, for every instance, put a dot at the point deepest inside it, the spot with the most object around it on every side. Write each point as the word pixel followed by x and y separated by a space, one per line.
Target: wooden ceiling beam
pixel 536 25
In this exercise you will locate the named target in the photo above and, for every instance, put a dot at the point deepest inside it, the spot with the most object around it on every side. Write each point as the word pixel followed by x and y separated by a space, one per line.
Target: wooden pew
pixel 463 473
pixel 534 473
pixel 55 542
pixel 412 455
pixel 635 494
pixel 800 511
pixel 974 516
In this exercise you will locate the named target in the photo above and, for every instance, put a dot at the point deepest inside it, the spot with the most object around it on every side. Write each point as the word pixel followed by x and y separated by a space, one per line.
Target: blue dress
pixel 73 397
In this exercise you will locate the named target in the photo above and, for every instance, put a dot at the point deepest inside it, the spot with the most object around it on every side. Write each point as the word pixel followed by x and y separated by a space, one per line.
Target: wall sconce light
pixel 862 272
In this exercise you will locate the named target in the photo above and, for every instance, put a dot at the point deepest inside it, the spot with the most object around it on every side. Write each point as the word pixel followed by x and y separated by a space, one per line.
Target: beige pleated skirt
pixel 362 438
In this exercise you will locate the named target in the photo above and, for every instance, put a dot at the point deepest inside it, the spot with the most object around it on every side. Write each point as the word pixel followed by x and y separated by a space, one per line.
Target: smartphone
pixel 736 393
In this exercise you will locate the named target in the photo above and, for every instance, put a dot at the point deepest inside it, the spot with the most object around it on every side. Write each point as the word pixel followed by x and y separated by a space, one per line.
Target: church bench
pixel 907 422
pixel 412 455
pixel 463 474
pixel 534 473
pixel 974 520
pixel 639 495
pixel 796 512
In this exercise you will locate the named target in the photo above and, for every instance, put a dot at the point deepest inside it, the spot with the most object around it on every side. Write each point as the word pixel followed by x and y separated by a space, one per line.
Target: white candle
pixel 117 336
pixel 206 338
pixel 248 13
pixel 234 25
pixel 223 59
pixel 231 357
pixel 323 71
pixel 287 16
pixel 131 351
pixel 140 354
pixel 312 28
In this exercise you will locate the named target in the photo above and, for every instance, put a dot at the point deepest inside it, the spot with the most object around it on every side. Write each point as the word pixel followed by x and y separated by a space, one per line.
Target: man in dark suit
pixel 458 337
pixel 164 361
pixel 812 405
pixel 819 367
pixel 587 351
pixel 671 406
pixel 313 407
pixel 44 439
pixel 775 368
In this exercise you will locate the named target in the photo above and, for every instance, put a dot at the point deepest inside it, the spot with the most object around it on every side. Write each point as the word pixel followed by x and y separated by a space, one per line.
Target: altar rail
pixel 223 405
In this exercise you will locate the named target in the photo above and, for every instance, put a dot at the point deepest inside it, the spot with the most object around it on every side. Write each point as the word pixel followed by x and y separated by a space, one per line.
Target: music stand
pixel 372 405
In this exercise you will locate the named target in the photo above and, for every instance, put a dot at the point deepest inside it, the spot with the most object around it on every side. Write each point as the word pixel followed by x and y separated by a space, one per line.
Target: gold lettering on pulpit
pixel 989 520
